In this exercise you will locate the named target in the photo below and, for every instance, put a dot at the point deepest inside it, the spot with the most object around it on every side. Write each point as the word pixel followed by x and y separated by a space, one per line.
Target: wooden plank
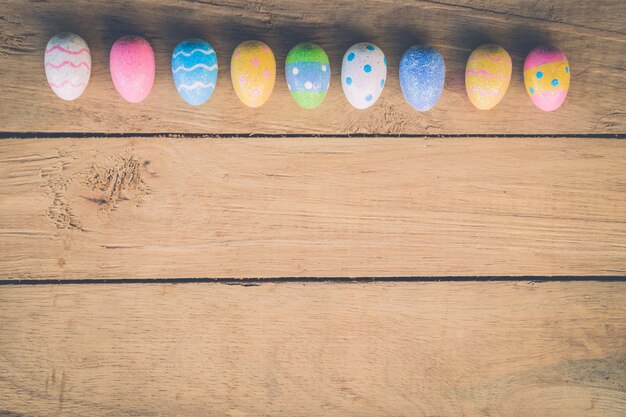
pixel 269 207
pixel 591 33
pixel 383 349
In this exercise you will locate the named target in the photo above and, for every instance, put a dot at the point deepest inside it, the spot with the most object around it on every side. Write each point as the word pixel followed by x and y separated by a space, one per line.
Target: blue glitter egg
pixel 422 76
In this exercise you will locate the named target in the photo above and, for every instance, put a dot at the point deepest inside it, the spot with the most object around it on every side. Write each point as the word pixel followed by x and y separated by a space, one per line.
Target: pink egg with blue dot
pixel 363 74
pixel 547 77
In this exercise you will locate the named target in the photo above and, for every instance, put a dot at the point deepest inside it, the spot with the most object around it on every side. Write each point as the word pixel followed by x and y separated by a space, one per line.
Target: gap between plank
pixel 95 135
pixel 338 280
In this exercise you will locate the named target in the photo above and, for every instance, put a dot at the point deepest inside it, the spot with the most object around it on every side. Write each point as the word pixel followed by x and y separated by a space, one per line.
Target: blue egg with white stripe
pixel 194 69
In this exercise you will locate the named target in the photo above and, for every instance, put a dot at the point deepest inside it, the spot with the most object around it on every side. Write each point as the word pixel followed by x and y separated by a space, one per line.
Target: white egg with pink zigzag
pixel 67 62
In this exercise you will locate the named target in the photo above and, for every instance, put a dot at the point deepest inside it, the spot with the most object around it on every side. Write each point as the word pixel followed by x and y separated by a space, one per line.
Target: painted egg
pixel 422 76
pixel 307 70
pixel 487 76
pixel 67 62
pixel 132 68
pixel 253 72
pixel 194 69
pixel 547 77
pixel 363 74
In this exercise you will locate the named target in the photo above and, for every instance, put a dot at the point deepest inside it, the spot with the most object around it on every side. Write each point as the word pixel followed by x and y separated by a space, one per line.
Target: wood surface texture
pixel 102 189
pixel 312 207
pixel 592 34
pixel 379 349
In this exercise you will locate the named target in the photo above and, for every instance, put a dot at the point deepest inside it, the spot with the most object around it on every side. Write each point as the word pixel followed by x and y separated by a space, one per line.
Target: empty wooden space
pixel 377 349
pixel 99 198
pixel 312 207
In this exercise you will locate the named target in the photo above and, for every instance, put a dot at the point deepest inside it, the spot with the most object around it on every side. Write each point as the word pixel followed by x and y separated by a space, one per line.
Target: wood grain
pixel 157 207
pixel 591 33
pixel 269 207
pixel 393 349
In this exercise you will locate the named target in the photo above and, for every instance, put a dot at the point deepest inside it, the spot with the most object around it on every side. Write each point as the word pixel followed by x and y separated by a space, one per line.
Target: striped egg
pixel 363 74
pixel 132 68
pixel 487 76
pixel 547 77
pixel 253 72
pixel 67 62
pixel 307 70
pixel 194 69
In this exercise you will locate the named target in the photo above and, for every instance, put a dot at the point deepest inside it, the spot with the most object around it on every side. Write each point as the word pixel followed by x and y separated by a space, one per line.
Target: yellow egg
pixel 547 77
pixel 487 76
pixel 253 72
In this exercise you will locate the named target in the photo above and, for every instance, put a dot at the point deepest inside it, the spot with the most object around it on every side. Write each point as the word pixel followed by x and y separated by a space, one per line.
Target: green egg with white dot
pixel 363 74
pixel 307 70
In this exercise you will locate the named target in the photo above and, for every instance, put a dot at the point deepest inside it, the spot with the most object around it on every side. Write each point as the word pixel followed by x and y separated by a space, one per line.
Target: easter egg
pixel 307 70
pixel 194 69
pixel 253 72
pixel 363 74
pixel 67 62
pixel 422 76
pixel 487 76
pixel 132 68
pixel 547 77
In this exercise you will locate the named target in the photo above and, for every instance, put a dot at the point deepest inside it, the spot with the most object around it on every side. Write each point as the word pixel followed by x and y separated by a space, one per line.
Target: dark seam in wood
pixel 172 135
pixel 254 281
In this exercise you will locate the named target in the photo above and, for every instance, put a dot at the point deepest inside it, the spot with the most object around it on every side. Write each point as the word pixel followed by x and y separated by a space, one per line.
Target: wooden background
pixel 121 225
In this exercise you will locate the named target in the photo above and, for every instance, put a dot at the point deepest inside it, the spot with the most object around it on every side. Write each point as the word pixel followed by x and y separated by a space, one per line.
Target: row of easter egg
pixel 307 72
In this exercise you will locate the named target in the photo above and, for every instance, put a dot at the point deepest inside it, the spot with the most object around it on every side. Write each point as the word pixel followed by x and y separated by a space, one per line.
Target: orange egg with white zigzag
pixel 487 76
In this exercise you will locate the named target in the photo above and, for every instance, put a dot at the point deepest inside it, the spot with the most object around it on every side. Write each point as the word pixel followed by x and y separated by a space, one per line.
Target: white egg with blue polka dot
pixel 363 74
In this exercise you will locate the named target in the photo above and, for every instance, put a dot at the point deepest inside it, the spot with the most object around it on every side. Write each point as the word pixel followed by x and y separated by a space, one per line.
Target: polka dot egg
pixel 487 76
pixel 307 70
pixel 363 74
pixel 68 65
pixel 547 77
pixel 253 72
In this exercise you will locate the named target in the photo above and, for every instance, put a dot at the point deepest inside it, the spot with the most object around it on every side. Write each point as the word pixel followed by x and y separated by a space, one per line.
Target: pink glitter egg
pixel 547 77
pixel 132 68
